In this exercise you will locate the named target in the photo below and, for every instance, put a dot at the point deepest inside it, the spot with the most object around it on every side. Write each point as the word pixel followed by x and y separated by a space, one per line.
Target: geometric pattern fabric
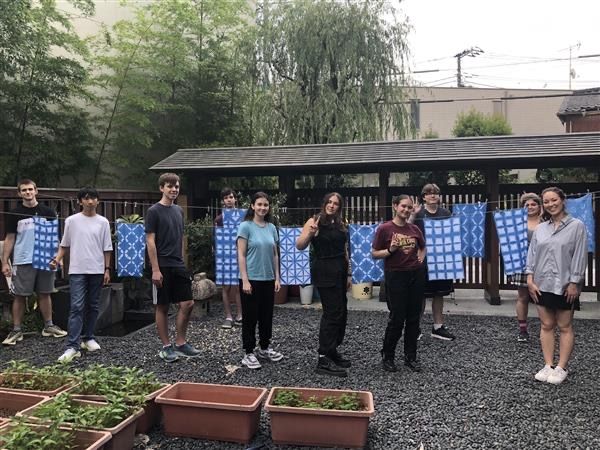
pixel 294 263
pixel 444 249
pixel 226 265
pixel 45 244
pixel 364 267
pixel 581 208
pixel 472 222
pixel 131 248
pixel 511 226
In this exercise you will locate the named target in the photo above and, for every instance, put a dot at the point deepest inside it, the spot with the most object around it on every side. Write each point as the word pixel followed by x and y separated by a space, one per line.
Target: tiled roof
pixel 478 152
pixel 581 101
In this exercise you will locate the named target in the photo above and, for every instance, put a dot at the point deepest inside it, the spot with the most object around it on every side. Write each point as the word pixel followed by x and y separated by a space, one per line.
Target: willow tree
pixel 329 71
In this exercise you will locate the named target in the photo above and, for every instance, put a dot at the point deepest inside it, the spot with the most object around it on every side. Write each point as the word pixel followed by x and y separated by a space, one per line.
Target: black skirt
pixel 552 301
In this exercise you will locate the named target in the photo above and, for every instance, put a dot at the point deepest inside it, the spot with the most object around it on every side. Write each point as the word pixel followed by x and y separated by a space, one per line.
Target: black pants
pixel 257 307
pixel 334 318
pixel 405 295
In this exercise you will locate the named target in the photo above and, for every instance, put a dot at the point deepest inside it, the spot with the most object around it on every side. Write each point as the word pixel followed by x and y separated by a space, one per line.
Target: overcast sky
pixel 519 38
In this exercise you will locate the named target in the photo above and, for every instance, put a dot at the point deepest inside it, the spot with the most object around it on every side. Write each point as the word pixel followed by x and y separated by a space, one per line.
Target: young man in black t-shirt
pixel 26 280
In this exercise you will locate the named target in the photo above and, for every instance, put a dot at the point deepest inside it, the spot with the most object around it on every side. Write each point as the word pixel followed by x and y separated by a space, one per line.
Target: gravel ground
pixel 477 392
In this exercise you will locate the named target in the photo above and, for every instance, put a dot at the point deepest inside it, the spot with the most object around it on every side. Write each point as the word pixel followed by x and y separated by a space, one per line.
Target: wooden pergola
pixel 487 154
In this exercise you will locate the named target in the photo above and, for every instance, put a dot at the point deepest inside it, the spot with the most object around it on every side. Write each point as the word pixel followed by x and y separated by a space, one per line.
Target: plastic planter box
pixel 211 411
pixel 84 439
pixel 13 402
pixel 123 434
pixel 320 427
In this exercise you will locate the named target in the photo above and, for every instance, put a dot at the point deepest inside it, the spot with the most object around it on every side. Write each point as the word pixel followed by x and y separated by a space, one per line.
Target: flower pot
pixel 123 433
pixel 281 297
pixel 362 291
pixel 293 291
pixel 83 440
pixel 320 427
pixel 306 294
pixel 211 411
pixel 146 421
pixel 59 385
pixel 13 402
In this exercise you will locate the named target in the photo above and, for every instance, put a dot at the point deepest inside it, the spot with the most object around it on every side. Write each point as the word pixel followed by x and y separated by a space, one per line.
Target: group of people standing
pixel 553 278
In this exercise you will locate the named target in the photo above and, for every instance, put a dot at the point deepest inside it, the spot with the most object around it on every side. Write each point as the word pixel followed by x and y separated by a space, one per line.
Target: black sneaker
pixel 412 364
pixel 325 366
pixel 442 333
pixel 339 360
pixel 389 365
pixel 523 336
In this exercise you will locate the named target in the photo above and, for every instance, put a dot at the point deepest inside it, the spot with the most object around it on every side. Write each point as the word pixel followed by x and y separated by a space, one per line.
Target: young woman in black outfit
pixel 328 235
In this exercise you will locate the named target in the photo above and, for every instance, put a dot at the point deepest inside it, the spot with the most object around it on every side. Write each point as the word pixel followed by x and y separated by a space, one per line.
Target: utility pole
pixel 571 70
pixel 472 52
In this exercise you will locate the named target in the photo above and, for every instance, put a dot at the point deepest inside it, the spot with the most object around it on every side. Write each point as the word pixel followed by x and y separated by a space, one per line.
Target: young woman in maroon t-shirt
pixel 402 246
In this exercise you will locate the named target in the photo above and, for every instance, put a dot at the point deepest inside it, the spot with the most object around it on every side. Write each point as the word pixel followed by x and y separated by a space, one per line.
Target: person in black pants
pixel 402 246
pixel 329 272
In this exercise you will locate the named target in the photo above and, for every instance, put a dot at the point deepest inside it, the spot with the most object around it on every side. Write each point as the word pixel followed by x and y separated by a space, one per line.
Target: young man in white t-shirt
pixel 87 239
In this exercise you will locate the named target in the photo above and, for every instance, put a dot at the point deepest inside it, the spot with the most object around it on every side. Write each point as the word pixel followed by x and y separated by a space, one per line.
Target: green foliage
pixel 131 218
pixel 430 134
pixel 127 382
pixel 44 133
pixel 200 234
pixel 25 436
pixel 294 399
pixel 22 375
pixel 567 175
pixel 63 409
pixel 329 72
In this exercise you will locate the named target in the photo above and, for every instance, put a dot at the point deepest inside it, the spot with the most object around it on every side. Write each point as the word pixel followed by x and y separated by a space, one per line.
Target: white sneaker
pixel 249 360
pixel 90 346
pixel 557 376
pixel 269 354
pixel 69 355
pixel 543 374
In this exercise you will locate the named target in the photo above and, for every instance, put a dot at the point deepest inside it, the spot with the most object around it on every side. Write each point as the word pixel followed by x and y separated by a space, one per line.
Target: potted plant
pixel 114 416
pixel 22 377
pixel 319 417
pixel 99 382
pixel 211 411
pixel 25 436
pixel 13 402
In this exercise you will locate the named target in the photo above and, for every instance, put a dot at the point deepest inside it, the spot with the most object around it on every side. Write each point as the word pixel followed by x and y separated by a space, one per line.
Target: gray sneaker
pixel 227 323
pixel 53 331
pixel 13 337
pixel 167 354
pixel 186 350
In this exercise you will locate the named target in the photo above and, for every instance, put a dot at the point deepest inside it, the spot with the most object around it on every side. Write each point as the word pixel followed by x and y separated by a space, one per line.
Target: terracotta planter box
pixel 51 393
pixel 320 427
pixel 152 411
pixel 281 297
pixel 211 411
pixel 13 402
pixel 123 434
pixel 84 439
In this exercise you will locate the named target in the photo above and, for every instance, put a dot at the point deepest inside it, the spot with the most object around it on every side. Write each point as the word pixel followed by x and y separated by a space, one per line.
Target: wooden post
pixel 597 248
pixel 384 182
pixel 492 250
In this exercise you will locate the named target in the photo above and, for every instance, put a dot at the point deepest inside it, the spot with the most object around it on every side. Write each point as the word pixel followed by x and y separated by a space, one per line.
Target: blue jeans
pixel 85 301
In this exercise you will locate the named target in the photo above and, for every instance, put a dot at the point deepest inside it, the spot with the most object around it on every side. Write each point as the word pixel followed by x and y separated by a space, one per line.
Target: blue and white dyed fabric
pixel 45 244
pixel 472 223
pixel 364 267
pixel 581 208
pixel 131 248
pixel 511 226
pixel 232 217
pixel 226 264
pixel 443 241
pixel 294 263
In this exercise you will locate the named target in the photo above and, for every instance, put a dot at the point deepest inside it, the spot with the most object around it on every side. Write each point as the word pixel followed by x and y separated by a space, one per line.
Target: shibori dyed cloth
pixel 472 223
pixel 511 226
pixel 131 248
pixel 443 242
pixel 294 263
pixel 581 208
pixel 45 244
pixel 226 264
pixel 364 267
